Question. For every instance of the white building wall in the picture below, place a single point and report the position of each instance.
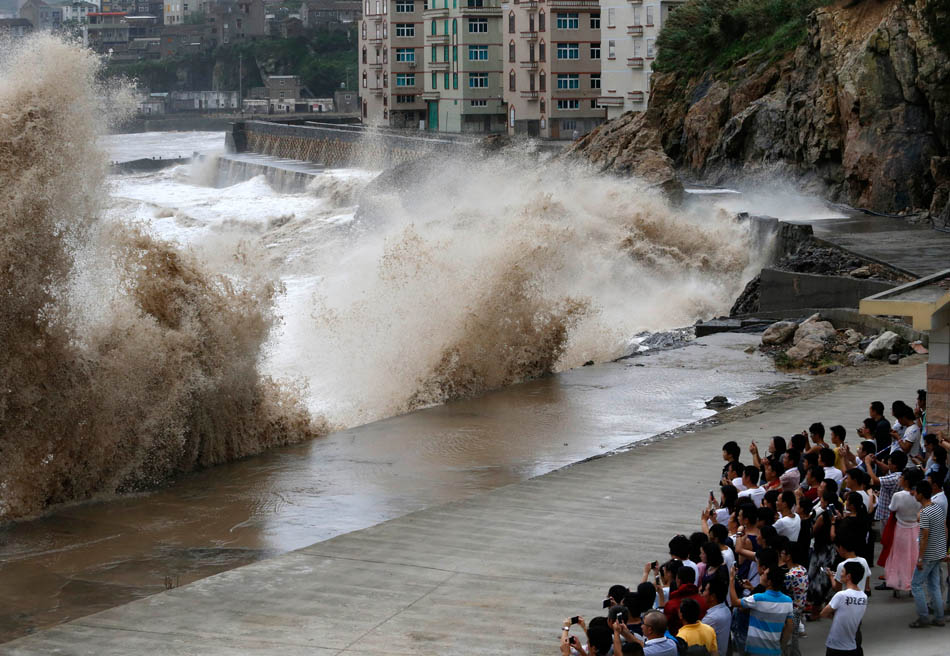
(629, 29)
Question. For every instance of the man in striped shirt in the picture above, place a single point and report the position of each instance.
(771, 617)
(933, 549)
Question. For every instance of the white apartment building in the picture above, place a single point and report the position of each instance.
(629, 29)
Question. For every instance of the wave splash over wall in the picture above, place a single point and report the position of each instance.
(464, 275)
(123, 360)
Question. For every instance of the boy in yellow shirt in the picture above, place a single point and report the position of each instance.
(692, 631)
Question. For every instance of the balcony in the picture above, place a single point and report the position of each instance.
(531, 35)
(480, 11)
(610, 101)
(377, 39)
(377, 91)
(530, 5)
(530, 95)
(438, 65)
(635, 2)
(430, 95)
(635, 30)
(574, 4)
(635, 62)
(636, 96)
(530, 65)
(375, 66)
(436, 12)
(438, 38)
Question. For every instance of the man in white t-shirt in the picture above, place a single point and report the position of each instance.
(826, 457)
(848, 607)
(789, 523)
(909, 439)
(750, 479)
(846, 551)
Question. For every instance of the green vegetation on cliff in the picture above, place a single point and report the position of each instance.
(323, 59)
(714, 34)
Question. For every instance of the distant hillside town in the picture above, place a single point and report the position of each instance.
(180, 50)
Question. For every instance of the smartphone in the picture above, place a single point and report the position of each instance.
(607, 603)
(573, 640)
(575, 619)
(654, 564)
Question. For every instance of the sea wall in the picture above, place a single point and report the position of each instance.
(786, 290)
(338, 145)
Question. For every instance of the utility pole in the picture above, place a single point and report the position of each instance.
(241, 81)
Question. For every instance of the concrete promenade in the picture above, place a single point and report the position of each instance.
(493, 574)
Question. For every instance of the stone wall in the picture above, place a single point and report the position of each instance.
(785, 290)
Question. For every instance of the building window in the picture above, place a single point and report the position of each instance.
(445, 80)
(511, 81)
(511, 51)
(478, 25)
(478, 80)
(435, 54)
(455, 53)
(479, 103)
(568, 104)
(636, 16)
(385, 80)
(636, 47)
(541, 21)
(568, 21)
(405, 6)
(445, 53)
(611, 49)
(478, 53)
(650, 16)
(455, 80)
(364, 79)
(595, 80)
(650, 49)
(568, 125)
(405, 99)
(405, 79)
(595, 51)
(455, 26)
(405, 29)
(542, 51)
(595, 21)
(433, 28)
(385, 55)
(542, 85)
(568, 51)
(568, 81)
(364, 54)
(364, 31)
(611, 17)
(435, 80)
(511, 23)
(405, 54)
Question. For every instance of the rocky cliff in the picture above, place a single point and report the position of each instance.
(860, 112)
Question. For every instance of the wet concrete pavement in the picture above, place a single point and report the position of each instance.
(491, 574)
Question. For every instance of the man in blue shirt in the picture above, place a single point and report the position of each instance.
(718, 615)
(771, 619)
(655, 641)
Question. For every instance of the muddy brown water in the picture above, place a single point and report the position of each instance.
(88, 557)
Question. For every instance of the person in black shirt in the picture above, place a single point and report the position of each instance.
(881, 433)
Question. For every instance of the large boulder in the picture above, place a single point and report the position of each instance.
(779, 332)
(883, 345)
(806, 349)
(815, 329)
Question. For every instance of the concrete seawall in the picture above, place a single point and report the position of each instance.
(493, 574)
(337, 145)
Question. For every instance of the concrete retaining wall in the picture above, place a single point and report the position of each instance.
(337, 145)
(784, 290)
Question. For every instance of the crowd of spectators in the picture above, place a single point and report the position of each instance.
(790, 538)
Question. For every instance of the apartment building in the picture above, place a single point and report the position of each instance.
(552, 67)
(628, 32)
(432, 64)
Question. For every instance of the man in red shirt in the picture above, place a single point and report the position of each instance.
(686, 579)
